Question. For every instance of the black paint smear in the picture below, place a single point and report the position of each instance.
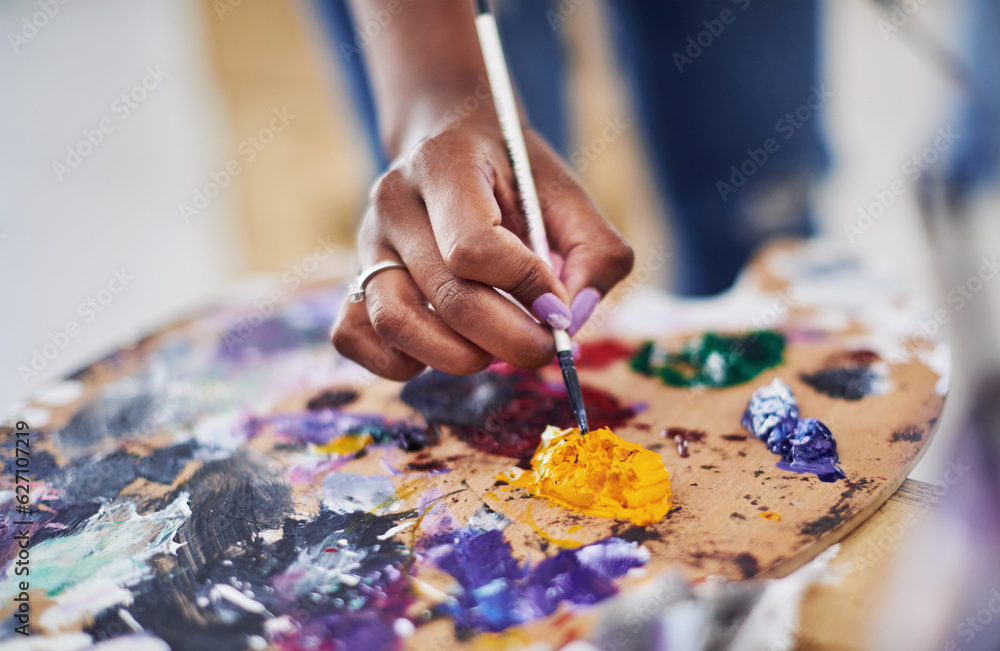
(91, 479)
(87, 480)
(909, 434)
(73, 516)
(231, 502)
(838, 512)
(847, 382)
(457, 400)
(735, 437)
(505, 414)
(636, 533)
(119, 412)
(43, 464)
(736, 516)
(162, 466)
(747, 564)
(333, 399)
(426, 466)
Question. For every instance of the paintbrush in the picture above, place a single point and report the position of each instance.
(510, 124)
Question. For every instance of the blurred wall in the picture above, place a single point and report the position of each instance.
(110, 120)
(308, 180)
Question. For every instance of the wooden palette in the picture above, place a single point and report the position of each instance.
(719, 491)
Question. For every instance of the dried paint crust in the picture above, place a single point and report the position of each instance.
(597, 474)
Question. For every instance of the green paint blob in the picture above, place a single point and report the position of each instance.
(712, 360)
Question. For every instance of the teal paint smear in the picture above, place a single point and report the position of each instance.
(114, 544)
(712, 360)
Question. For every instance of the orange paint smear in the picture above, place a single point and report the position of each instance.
(770, 515)
(597, 474)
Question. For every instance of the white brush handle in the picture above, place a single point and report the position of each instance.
(510, 124)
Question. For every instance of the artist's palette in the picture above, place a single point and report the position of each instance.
(201, 488)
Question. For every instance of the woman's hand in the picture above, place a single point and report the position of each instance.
(449, 210)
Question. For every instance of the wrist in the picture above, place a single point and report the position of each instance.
(435, 110)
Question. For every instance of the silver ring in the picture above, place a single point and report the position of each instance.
(357, 290)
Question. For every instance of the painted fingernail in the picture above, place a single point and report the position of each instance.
(574, 349)
(550, 309)
(582, 307)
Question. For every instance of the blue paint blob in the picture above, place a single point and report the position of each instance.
(772, 416)
(813, 450)
(498, 592)
(805, 446)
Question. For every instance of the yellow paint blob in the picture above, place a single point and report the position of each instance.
(770, 515)
(597, 474)
(349, 444)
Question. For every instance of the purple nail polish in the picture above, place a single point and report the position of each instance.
(550, 309)
(583, 306)
(574, 349)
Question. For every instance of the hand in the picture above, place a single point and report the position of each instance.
(450, 212)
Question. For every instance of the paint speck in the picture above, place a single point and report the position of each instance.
(770, 515)
(908, 434)
(747, 564)
(332, 399)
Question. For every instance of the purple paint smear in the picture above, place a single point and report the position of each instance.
(805, 445)
(324, 425)
(498, 592)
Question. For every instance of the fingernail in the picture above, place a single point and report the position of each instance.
(583, 306)
(550, 309)
(574, 349)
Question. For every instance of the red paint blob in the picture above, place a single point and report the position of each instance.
(515, 428)
(603, 352)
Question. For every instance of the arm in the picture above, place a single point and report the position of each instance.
(448, 209)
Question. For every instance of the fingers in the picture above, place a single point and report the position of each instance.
(473, 310)
(596, 257)
(355, 339)
(400, 315)
(460, 195)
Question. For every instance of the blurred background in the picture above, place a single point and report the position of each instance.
(159, 155)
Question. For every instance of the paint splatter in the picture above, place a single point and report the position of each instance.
(597, 474)
(507, 409)
(496, 592)
(770, 515)
(712, 360)
(805, 446)
(683, 437)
